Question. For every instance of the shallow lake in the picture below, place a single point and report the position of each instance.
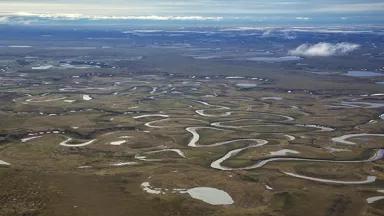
(210, 195)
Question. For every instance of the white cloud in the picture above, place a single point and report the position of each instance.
(302, 18)
(65, 16)
(4, 20)
(324, 49)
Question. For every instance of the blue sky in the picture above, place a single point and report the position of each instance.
(278, 10)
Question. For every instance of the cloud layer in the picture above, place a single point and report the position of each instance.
(65, 16)
(324, 49)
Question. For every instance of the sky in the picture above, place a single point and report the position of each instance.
(236, 11)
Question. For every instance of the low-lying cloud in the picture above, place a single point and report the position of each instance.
(65, 16)
(4, 20)
(324, 49)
